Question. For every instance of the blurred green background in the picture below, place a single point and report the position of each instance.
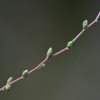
(28, 28)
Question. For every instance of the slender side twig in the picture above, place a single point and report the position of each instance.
(66, 48)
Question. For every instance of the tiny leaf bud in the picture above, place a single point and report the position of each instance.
(25, 73)
(10, 79)
(42, 66)
(7, 88)
(49, 52)
(70, 44)
(85, 24)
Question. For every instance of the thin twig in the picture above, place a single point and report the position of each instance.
(66, 48)
(96, 20)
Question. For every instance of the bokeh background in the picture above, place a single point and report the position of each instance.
(28, 28)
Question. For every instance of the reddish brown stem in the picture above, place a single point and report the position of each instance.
(66, 48)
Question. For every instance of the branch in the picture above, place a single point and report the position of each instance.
(10, 80)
